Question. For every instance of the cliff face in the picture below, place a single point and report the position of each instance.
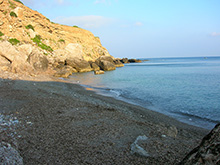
(26, 25)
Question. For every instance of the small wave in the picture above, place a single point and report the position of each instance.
(198, 117)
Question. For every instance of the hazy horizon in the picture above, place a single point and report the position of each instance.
(143, 29)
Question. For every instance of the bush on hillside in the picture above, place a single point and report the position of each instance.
(37, 40)
(29, 27)
(14, 41)
(13, 14)
(1, 34)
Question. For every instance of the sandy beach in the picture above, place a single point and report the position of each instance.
(52, 122)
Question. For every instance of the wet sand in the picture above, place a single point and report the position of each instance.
(62, 123)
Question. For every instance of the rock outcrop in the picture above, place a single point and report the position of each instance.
(208, 152)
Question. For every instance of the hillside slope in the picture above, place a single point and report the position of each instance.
(31, 43)
(30, 23)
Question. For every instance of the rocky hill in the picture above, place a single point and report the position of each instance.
(40, 44)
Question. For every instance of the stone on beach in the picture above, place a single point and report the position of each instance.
(138, 150)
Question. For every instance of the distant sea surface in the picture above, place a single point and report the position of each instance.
(187, 89)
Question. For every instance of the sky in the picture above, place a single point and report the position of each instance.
(142, 28)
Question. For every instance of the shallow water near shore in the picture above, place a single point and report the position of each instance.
(187, 89)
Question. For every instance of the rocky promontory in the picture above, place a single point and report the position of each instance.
(31, 44)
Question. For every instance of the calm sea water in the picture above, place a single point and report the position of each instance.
(187, 89)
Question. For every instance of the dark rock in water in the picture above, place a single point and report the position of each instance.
(79, 64)
(118, 63)
(99, 72)
(107, 66)
(208, 152)
(124, 60)
(134, 61)
(94, 66)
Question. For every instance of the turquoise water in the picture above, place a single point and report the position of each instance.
(187, 89)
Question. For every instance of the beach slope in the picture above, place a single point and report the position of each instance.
(51, 122)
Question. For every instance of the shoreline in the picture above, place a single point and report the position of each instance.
(62, 122)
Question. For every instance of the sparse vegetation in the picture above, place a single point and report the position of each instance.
(37, 40)
(76, 26)
(12, 5)
(61, 40)
(14, 41)
(18, 1)
(29, 27)
(1, 34)
(13, 14)
(5, 12)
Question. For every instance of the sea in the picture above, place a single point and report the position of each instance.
(187, 89)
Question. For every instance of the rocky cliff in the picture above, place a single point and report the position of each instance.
(38, 43)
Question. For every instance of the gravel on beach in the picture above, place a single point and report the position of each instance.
(52, 122)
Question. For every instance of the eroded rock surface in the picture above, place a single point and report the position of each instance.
(208, 152)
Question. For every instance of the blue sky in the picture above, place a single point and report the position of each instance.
(142, 28)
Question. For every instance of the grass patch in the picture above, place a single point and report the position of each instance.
(13, 14)
(37, 40)
(29, 27)
(1, 34)
(18, 1)
(61, 40)
(14, 41)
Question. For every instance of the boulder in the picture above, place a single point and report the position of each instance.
(118, 63)
(9, 51)
(38, 60)
(99, 72)
(70, 51)
(94, 66)
(104, 58)
(15, 57)
(65, 72)
(208, 152)
(107, 66)
(79, 64)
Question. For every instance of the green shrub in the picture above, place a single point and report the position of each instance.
(13, 14)
(5, 12)
(1, 39)
(75, 26)
(1, 34)
(18, 1)
(14, 41)
(37, 40)
(61, 40)
(29, 27)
